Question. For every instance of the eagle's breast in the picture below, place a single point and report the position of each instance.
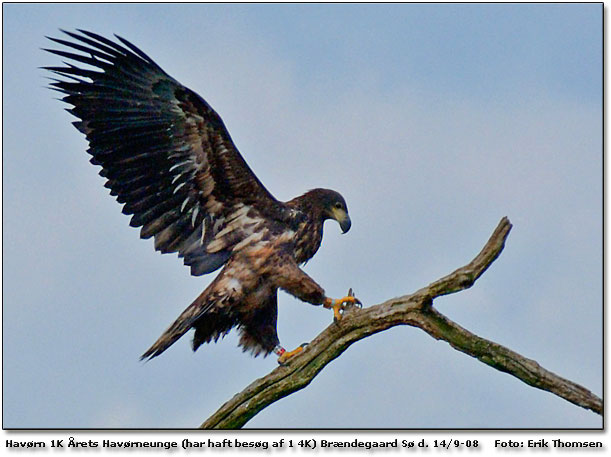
(307, 240)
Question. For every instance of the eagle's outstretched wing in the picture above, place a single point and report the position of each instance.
(165, 153)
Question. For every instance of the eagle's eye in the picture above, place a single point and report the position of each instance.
(338, 205)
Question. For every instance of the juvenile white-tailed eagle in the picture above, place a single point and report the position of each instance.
(171, 163)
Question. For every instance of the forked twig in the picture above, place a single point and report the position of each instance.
(415, 310)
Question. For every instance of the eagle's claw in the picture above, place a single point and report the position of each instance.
(340, 304)
(286, 356)
(356, 302)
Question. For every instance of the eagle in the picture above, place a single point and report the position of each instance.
(168, 158)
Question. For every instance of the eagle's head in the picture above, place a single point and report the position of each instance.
(331, 205)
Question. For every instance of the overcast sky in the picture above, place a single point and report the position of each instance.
(433, 121)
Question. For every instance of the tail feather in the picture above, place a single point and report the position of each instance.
(180, 326)
(212, 314)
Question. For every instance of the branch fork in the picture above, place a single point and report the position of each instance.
(416, 310)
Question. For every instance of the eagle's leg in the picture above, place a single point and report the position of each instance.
(337, 304)
(288, 276)
(284, 355)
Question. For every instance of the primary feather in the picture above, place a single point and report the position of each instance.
(166, 154)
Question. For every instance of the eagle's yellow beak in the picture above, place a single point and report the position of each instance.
(342, 218)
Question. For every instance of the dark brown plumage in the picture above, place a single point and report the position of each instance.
(170, 161)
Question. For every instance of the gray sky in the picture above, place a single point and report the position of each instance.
(433, 121)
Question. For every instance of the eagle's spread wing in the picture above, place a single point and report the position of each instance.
(165, 153)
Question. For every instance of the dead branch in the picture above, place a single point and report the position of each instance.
(415, 310)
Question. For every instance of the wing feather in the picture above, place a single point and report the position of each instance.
(165, 153)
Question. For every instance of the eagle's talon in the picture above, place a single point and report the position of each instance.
(337, 312)
(337, 316)
(340, 304)
(286, 356)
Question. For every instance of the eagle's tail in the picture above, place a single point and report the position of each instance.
(180, 326)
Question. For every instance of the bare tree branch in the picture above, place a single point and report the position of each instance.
(415, 310)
